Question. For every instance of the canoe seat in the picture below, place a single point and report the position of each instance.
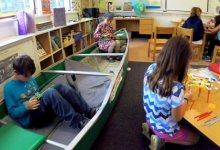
(103, 51)
(14, 137)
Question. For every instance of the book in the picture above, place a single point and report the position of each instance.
(127, 6)
(40, 50)
(59, 17)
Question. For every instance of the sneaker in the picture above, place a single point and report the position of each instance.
(91, 113)
(111, 59)
(145, 130)
(83, 121)
(207, 58)
(156, 143)
(118, 58)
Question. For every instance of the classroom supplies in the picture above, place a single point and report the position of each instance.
(212, 121)
(38, 95)
(203, 115)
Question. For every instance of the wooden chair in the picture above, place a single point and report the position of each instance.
(159, 43)
(216, 54)
(188, 33)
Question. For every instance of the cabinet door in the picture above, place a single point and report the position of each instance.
(146, 26)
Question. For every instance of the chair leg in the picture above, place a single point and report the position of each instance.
(154, 51)
(148, 48)
(214, 54)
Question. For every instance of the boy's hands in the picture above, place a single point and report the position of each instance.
(32, 104)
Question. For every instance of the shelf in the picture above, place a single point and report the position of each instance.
(58, 56)
(46, 63)
(57, 51)
(44, 57)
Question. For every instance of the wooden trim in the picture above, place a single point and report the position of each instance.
(7, 16)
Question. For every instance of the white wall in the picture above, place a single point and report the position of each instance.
(8, 28)
(164, 18)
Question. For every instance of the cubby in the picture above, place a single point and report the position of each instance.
(83, 28)
(78, 45)
(68, 51)
(43, 45)
(88, 27)
(88, 40)
(84, 42)
(46, 63)
(92, 38)
(55, 40)
(58, 56)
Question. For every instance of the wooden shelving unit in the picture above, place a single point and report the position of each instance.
(52, 42)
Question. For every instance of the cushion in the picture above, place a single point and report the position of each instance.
(14, 137)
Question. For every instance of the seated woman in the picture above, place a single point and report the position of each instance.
(194, 22)
(104, 34)
(213, 27)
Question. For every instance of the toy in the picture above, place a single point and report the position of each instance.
(38, 95)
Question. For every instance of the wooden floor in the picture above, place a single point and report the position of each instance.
(138, 52)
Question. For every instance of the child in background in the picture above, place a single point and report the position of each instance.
(213, 27)
(194, 22)
(24, 108)
(104, 34)
(165, 100)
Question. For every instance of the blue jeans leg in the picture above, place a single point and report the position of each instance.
(53, 99)
(74, 98)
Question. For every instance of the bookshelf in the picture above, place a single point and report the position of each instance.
(59, 43)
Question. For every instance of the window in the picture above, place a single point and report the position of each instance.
(56, 3)
(11, 6)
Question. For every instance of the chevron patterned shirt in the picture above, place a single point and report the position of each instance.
(158, 109)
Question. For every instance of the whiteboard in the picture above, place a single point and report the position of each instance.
(186, 5)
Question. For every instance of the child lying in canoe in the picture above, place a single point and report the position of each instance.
(59, 100)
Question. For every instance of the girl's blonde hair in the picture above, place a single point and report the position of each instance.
(196, 11)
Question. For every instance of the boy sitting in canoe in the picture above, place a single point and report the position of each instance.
(23, 106)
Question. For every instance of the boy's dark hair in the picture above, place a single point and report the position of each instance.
(217, 20)
(24, 65)
(172, 65)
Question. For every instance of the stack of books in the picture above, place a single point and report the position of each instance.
(44, 25)
(40, 50)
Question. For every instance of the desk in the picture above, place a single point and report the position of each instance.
(141, 25)
(200, 106)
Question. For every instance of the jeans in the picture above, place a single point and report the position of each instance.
(62, 101)
(212, 45)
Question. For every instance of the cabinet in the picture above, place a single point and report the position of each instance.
(141, 25)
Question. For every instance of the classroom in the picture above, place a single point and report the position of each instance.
(109, 74)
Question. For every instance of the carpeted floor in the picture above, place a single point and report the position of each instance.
(123, 129)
